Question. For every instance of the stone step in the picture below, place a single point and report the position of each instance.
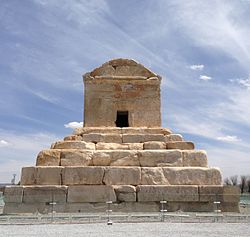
(123, 138)
(143, 158)
(147, 145)
(92, 175)
(117, 146)
(125, 130)
(73, 145)
(119, 207)
(60, 194)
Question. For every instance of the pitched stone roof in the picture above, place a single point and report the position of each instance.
(122, 68)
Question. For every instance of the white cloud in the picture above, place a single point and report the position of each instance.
(244, 82)
(73, 125)
(217, 26)
(229, 138)
(197, 67)
(205, 78)
(4, 143)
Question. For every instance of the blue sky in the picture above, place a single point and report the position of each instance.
(200, 48)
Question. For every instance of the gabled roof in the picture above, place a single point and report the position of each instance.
(122, 68)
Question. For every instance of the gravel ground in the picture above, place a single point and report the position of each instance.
(128, 229)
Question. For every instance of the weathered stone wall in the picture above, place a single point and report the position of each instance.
(122, 85)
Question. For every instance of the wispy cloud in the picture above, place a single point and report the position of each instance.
(229, 138)
(197, 67)
(218, 26)
(4, 143)
(205, 78)
(244, 82)
(73, 125)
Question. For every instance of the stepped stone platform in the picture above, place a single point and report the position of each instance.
(87, 169)
(122, 156)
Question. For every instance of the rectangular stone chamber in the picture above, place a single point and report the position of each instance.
(127, 90)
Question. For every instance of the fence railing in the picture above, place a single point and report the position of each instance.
(110, 217)
(124, 217)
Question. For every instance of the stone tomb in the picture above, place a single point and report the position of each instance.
(122, 154)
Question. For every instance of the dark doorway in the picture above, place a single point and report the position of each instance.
(122, 119)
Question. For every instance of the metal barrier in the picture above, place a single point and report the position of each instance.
(111, 217)
(125, 217)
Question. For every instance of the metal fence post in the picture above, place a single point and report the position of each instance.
(109, 222)
(163, 210)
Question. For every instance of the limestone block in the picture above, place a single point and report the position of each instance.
(98, 137)
(230, 207)
(13, 194)
(82, 175)
(190, 206)
(125, 193)
(73, 157)
(154, 137)
(194, 158)
(125, 158)
(124, 188)
(156, 193)
(121, 207)
(180, 145)
(100, 71)
(111, 146)
(91, 193)
(48, 175)
(153, 145)
(15, 208)
(122, 175)
(192, 175)
(173, 138)
(135, 146)
(138, 138)
(49, 157)
(126, 197)
(152, 158)
(122, 61)
(118, 146)
(132, 138)
(102, 130)
(92, 137)
(153, 176)
(102, 158)
(126, 70)
(114, 138)
(48, 193)
(231, 194)
(73, 138)
(74, 145)
(145, 130)
(28, 175)
(211, 193)
(115, 158)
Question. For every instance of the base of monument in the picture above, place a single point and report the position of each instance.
(15, 208)
(123, 198)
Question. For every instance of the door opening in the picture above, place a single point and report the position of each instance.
(122, 119)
